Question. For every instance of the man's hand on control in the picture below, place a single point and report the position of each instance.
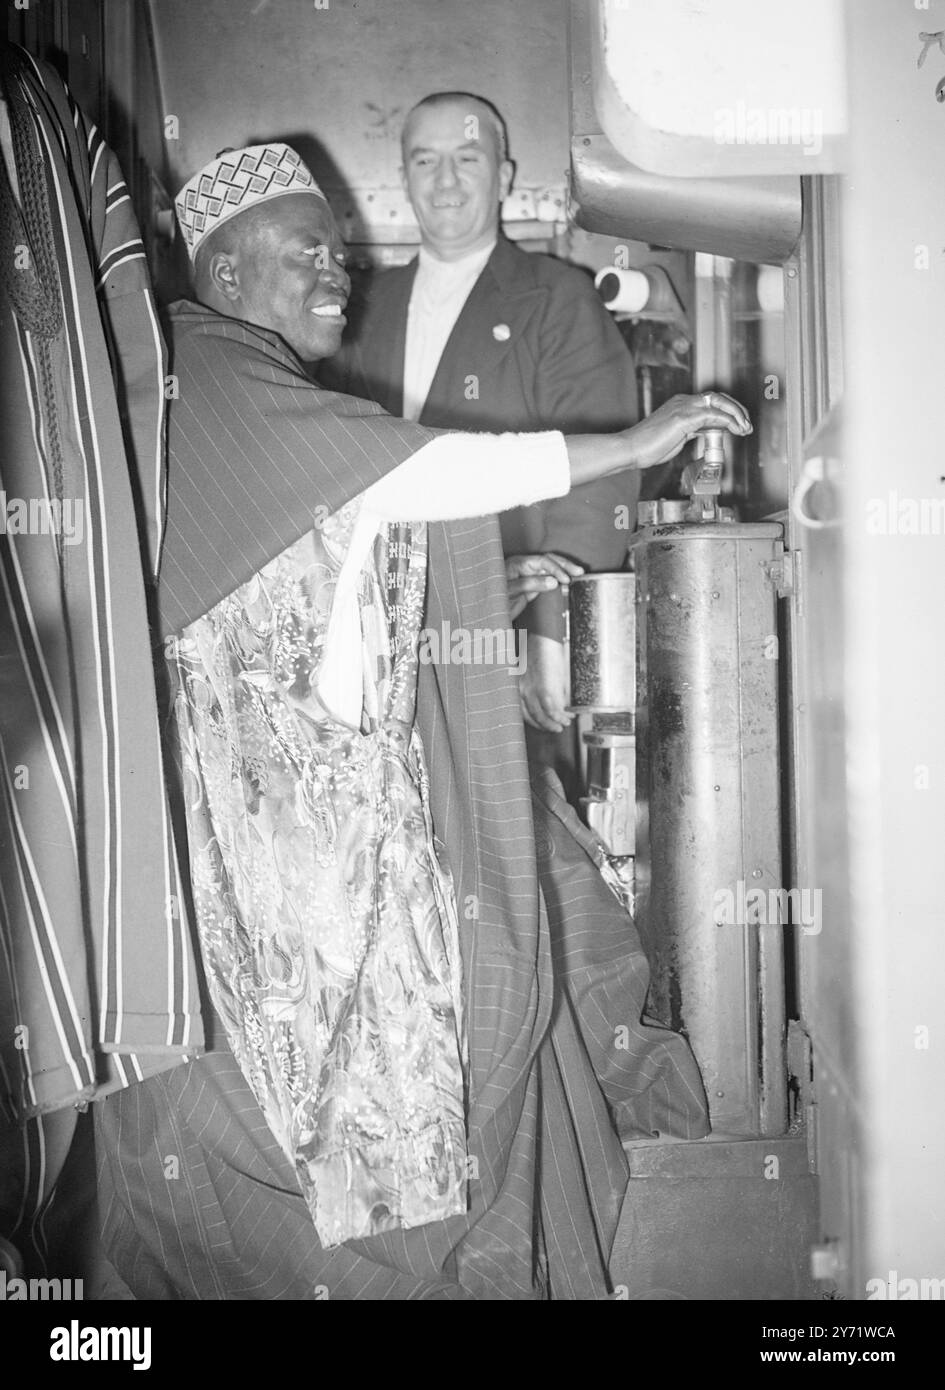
(659, 437)
(655, 440)
(544, 684)
(531, 575)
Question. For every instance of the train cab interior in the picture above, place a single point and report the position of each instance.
(752, 190)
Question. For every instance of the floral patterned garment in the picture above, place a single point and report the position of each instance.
(327, 924)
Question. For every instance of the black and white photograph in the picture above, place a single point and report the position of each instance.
(472, 743)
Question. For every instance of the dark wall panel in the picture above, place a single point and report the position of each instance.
(339, 80)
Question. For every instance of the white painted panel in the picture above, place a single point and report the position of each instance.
(724, 87)
(894, 215)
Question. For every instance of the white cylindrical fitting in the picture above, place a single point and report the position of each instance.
(623, 291)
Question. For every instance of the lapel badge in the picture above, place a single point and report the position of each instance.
(501, 332)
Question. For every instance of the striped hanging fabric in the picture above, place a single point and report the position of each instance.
(98, 982)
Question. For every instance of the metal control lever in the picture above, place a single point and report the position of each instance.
(708, 479)
(704, 483)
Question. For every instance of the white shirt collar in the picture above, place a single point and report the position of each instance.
(469, 265)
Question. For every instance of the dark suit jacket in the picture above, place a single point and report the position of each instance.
(533, 349)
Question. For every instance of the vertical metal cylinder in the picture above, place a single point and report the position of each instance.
(603, 657)
(708, 822)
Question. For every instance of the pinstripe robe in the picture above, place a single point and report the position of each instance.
(255, 448)
(98, 983)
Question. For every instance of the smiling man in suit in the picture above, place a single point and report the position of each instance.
(476, 334)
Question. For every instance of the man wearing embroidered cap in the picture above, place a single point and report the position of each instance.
(276, 200)
(234, 182)
(386, 1073)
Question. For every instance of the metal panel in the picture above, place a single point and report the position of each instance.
(86, 41)
(815, 653)
(716, 1220)
(337, 81)
(751, 219)
(722, 89)
(39, 28)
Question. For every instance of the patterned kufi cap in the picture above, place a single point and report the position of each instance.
(237, 180)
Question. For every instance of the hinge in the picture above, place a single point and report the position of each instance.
(786, 574)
